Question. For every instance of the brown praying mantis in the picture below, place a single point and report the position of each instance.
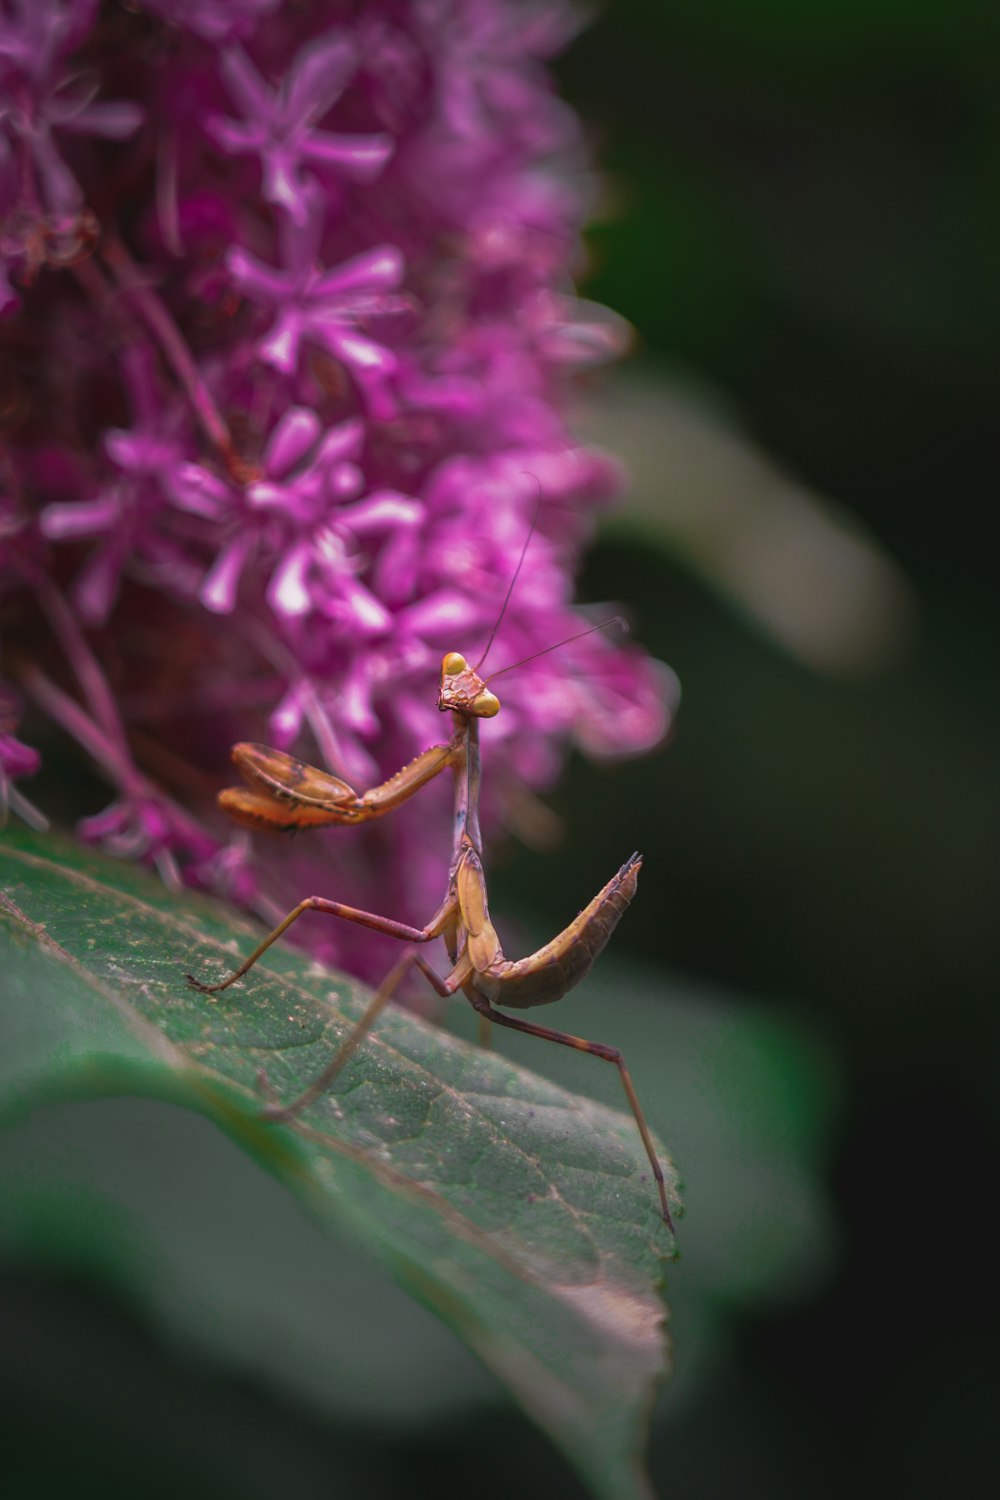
(283, 794)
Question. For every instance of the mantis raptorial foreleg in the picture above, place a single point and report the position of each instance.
(284, 794)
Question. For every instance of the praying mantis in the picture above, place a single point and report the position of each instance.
(283, 794)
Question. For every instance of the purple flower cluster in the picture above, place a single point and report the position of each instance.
(286, 343)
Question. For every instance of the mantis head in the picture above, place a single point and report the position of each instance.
(463, 691)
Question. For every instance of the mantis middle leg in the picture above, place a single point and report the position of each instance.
(391, 928)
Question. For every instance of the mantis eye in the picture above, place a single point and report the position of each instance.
(453, 664)
(485, 705)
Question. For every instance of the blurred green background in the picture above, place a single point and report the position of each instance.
(801, 218)
(804, 217)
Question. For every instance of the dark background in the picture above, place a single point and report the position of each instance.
(807, 214)
(803, 212)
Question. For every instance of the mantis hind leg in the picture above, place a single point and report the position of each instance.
(410, 959)
(597, 1049)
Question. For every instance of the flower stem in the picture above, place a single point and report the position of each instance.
(175, 350)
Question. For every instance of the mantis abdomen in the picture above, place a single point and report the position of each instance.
(554, 970)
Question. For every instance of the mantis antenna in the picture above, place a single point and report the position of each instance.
(517, 574)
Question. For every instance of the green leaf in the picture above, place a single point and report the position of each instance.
(522, 1215)
(748, 1091)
